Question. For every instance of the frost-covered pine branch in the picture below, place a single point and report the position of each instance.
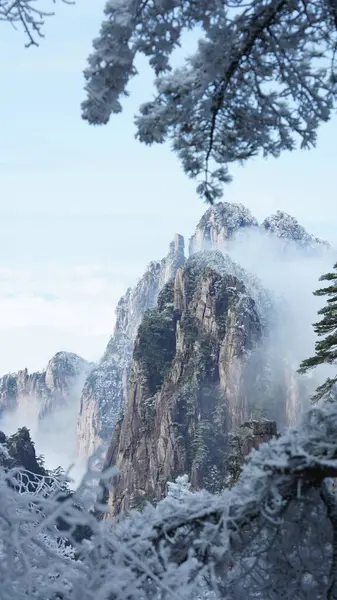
(272, 535)
(261, 81)
(28, 15)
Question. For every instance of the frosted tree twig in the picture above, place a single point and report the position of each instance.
(267, 537)
(29, 15)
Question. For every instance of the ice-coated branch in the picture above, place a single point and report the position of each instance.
(28, 15)
(261, 81)
(269, 536)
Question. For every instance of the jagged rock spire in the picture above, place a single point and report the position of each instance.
(105, 390)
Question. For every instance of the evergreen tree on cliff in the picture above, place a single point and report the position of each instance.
(261, 81)
(326, 348)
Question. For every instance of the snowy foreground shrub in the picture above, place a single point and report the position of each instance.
(272, 536)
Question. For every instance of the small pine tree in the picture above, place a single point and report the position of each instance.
(325, 349)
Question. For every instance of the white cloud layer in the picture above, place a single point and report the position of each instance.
(44, 310)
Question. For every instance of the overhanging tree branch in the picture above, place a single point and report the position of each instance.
(262, 79)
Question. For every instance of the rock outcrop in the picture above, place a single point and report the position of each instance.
(194, 378)
(56, 387)
(18, 451)
(105, 390)
(242, 441)
(219, 225)
(288, 228)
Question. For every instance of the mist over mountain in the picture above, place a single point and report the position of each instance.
(47, 403)
(229, 323)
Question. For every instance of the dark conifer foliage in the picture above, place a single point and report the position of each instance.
(326, 329)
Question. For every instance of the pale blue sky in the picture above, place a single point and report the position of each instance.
(74, 196)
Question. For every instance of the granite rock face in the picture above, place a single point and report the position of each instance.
(192, 382)
(105, 390)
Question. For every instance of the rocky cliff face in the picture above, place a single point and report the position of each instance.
(224, 227)
(55, 387)
(195, 376)
(106, 388)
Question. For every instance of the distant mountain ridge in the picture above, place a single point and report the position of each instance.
(288, 228)
(54, 388)
(220, 223)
